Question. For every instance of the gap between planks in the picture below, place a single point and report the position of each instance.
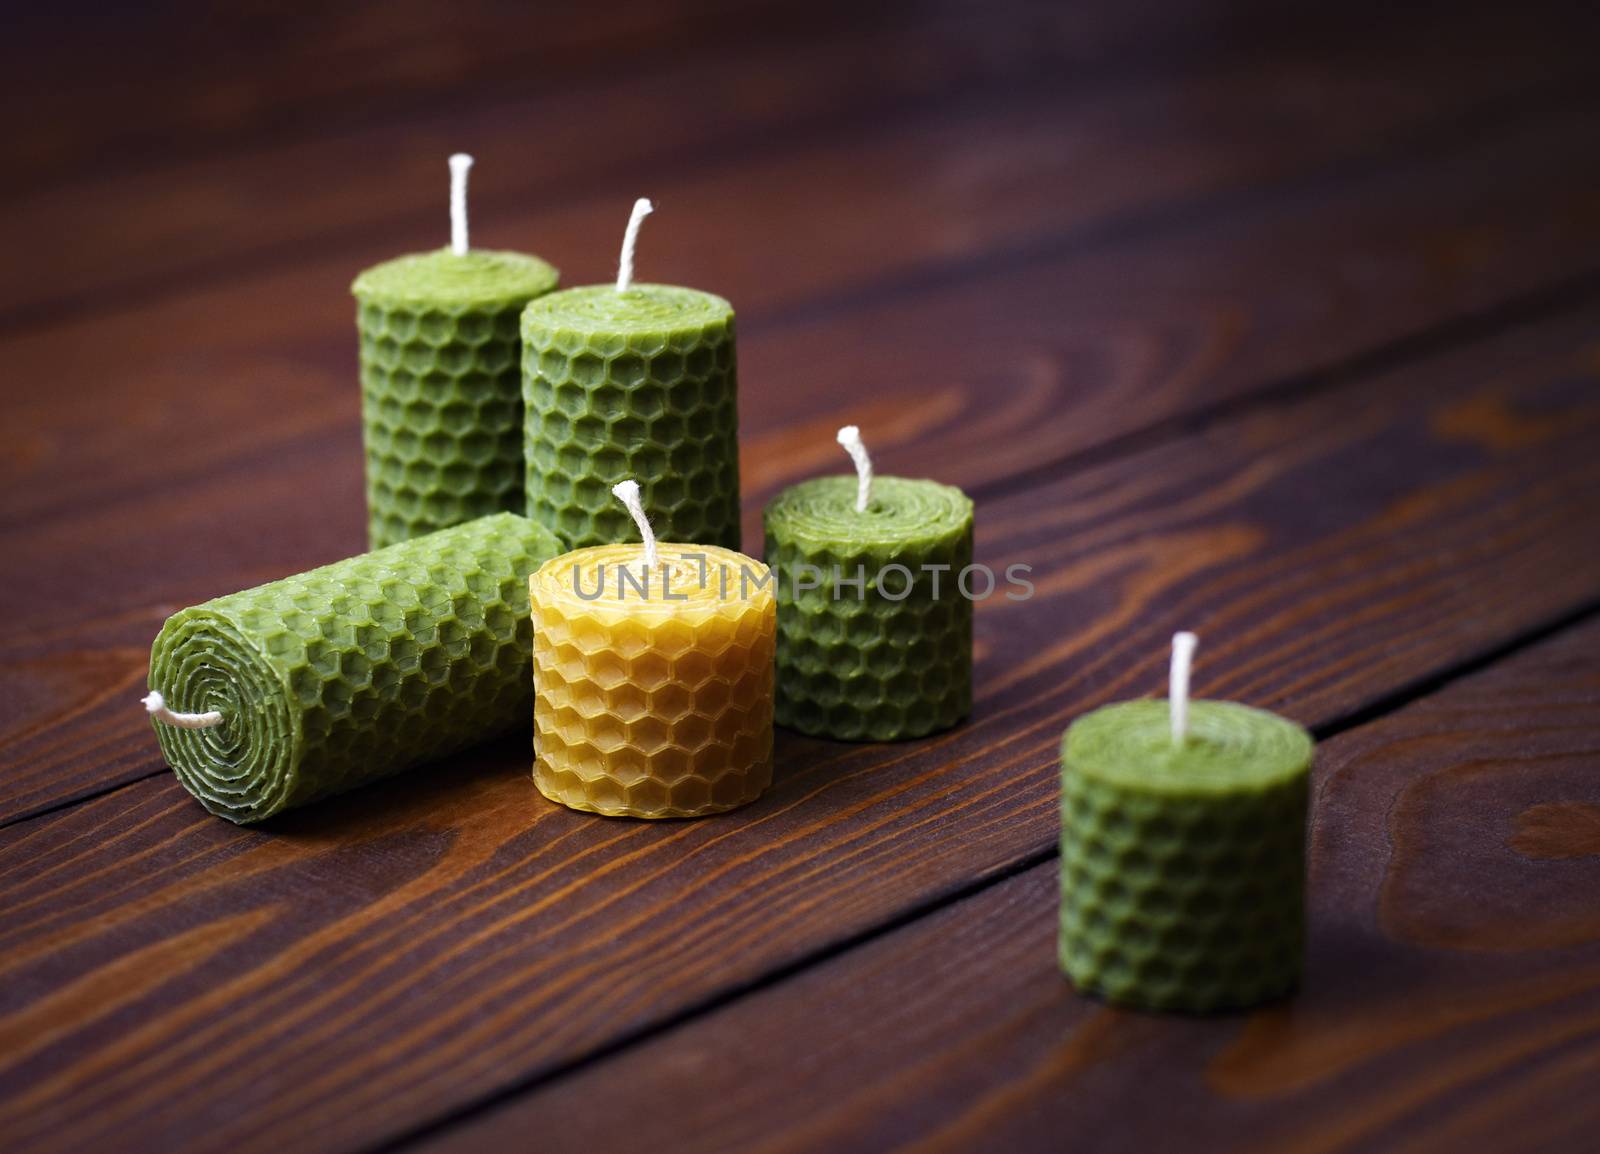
(1374, 711)
(1441, 380)
(757, 142)
(1185, 215)
(1427, 342)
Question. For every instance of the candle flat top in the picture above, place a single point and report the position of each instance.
(643, 309)
(476, 279)
(689, 581)
(902, 511)
(1229, 747)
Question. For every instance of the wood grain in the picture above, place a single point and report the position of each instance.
(147, 87)
(97, 241)
(1278, 323)
(362, 968)
(1066, 345)
(278, 201)
(176, 79)
(227, 378)
(958, 1032)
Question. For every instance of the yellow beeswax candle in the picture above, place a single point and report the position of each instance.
(653, 678)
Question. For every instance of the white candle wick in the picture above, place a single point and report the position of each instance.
(630, 241)
(850, 438)
(628, 493)
(459, 164)
(1183, 645)
(156, 706)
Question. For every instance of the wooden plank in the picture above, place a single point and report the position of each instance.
(103, 240)
(141, 88)
(1059, 348)
(376, 962)
(164, 81)
(1452, 996)
(214, 217)
(285, 336)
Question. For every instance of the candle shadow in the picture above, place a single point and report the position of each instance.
(488, 790)
(446, 789)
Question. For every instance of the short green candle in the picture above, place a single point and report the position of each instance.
(632, 380)
(1183, 863)
(874, 630)
(324, 681)
(441, 397)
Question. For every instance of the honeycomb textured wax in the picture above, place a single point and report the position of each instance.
(1183, 867)
(441, 397)
(336, 677)
(641, 383)
(650, 706)
(887, 659)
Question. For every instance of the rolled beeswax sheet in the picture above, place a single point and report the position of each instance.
(888, 658)
(1183, 866)
(441, 392)
(641, 383)
(649, 706)
(336, 677)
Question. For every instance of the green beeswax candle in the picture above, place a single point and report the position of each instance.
(324, 681)
(1183, 851)
(874, 631)
(441, 399)
(632, 380)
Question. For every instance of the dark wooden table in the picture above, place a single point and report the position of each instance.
(1286, 330)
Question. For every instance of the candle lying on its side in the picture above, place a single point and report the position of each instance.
(652, 670)
(632, 380)
(1183, 831)
(441, 393)
(315, 684)
(874, 627)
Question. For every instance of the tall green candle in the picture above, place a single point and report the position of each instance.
(874, 628)
(441, 399)
(632, 380)
(315, 684)
(1183, 831)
